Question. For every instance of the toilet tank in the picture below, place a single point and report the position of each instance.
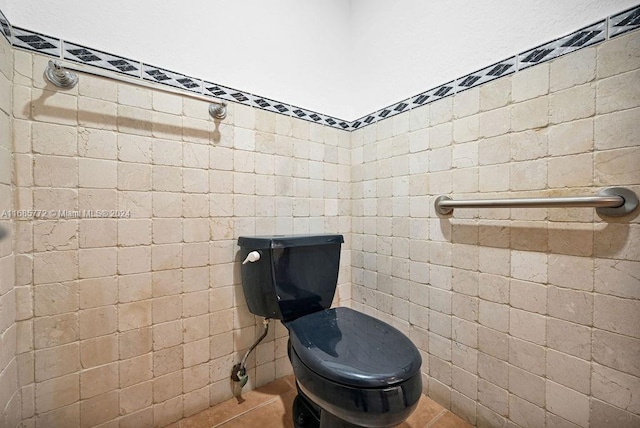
(295, 275)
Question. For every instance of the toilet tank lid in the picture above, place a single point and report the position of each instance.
(285, 241)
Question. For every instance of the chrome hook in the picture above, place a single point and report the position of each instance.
(218, 110)
(60, 77)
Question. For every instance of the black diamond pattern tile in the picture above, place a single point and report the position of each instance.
(587, 36)
(421, 99)
(5, 27)
(240, 96)
(487, 74)
(537, 55)
(432, 95)
(123, 65)
(89, 56)
(271, 105)
(624, 22)
(171, 78)
(40, 43)
(315, 117)
(328, 120)
(363, 121)
(469, 81)
(393, 110)
(308, 115)
(620, 23)
(334, 122)
(299, 113)
(580, 39)
(443, 91)
(84, 55)
(225, 93)
(501, 69)
(383, 114)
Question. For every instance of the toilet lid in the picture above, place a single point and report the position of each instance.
(354, 349)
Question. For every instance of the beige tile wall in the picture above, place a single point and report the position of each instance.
(138, 321)
(524, 317)
(10, 405)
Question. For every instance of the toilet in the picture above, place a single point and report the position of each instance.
(351, 370)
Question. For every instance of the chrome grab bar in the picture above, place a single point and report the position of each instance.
(612, 201)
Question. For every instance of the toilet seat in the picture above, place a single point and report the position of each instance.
(358, 368)
(354, 349)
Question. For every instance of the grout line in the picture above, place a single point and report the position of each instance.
(436, 419)
(247, 411)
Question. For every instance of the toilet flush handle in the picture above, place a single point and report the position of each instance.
(252, 257)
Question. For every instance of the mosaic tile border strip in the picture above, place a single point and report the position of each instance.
(5, 27)
(84, 55)
(393, 110)
(590, 35)
(308, 115)
(613, 26)
(582, 38)
(171, 78)
(487, 74)
(225, 93)
(50, 46)
(271, 105)
(363, 121)
(432, 95)
(36, 42)
(624, 21)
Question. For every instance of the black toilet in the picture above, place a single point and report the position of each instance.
(351, 369)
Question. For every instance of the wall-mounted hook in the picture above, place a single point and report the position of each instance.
(60, 77)
(218, 110)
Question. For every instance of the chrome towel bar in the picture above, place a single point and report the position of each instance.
(612, 201)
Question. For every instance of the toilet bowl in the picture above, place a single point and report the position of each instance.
(351, 370)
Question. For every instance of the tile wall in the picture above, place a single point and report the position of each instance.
(525, 317)
(9, 391)
(136, 318)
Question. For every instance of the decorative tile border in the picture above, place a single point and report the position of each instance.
(614, 26)
(171, 78)
(271, 105)
(582, 38)
(308, 115)
(345, 125)
(487, 74)
(224, 93)
(5, 27)
(624, 21)
(392, 110)
(36, 42)
(432, 95)
(363, 121)
(96, 58)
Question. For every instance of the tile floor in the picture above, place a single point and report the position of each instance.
(270, 407)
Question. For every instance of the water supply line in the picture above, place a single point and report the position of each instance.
(239, 371)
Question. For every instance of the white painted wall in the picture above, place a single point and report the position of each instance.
(346, 58)
(290, 50)
(406, 47)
